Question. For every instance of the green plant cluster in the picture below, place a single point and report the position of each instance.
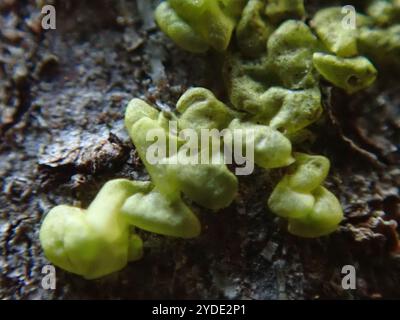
(96, 241)
(274, 66)
(312, 211)
(199, 25)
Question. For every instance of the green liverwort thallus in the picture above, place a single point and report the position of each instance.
(274, 66)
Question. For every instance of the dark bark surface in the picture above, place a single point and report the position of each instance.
(62, 97)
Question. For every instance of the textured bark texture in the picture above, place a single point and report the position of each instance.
(62, 97)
